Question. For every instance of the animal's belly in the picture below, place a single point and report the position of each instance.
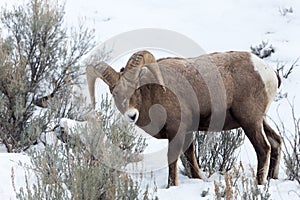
(228, 123)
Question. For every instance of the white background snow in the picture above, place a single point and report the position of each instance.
(215, 25)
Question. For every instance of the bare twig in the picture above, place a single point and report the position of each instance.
(285, 73)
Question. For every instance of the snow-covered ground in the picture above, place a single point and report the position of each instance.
(215, 25)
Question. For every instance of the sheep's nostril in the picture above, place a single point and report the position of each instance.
(132, 117)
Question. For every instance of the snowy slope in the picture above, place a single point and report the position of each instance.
(215, 25)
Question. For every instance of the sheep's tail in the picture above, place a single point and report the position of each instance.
(279, 79)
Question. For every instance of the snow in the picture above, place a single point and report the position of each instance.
(10, 167)
(215, 25)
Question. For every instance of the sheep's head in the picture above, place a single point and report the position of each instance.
(124, 85)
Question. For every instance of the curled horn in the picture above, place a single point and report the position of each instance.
(144, 58)
(103, 71)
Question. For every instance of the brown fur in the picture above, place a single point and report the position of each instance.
(244, 105)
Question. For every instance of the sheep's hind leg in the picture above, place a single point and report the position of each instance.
(262, 147)
(275, 142)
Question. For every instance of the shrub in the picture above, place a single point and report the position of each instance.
(263, 50)
(284, 11)
(291, 145)
(236, 185)
(39, 65)
(291, 137)
(91, 164)
(215, 152)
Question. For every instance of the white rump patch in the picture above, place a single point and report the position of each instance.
(267, 75)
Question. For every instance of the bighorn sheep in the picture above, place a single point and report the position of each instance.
(174, 98)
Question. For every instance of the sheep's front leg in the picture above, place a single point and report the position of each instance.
(173, 174)
(174, 150)
(189, 152)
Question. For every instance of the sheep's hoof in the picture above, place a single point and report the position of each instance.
(172, 182)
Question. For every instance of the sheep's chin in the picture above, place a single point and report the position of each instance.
(132, 115)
